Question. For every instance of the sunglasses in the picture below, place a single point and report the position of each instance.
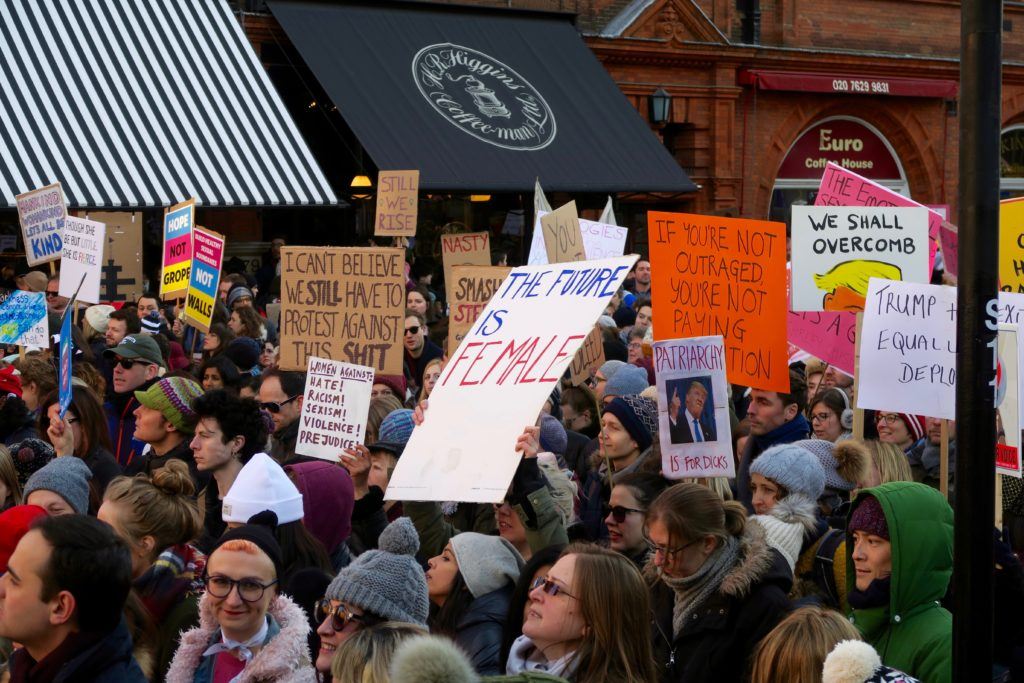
(275, 407)
(129, 363)
(550, 587)
(619, 512)
(415, 329)
(341, 616)
(52, 295)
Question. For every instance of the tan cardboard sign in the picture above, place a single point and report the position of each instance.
(464, 249)
(470, 289)
(589, 358)
(398, 195)
(563, 239)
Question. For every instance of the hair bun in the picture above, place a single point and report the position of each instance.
(399, 538)
(174, 479)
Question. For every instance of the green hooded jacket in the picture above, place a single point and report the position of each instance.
(914, 633)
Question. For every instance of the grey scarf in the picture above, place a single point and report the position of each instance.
(692, 591)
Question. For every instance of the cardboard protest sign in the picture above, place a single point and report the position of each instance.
(1008, 400)
(723, 276)
(1011, 245)
(496, 382)
(342, 303)
(908, 349)
(468, 293)
(42, 213)
(949, 240)
(121, 278)
(837, 249)
(588, 359)
(841, 187)
(693, 408)
(600, 240)
(334, 408)
(398, 196)
(178, 223)
(204, 277)
(464, 249)
(23, 320)
(563, 241)
(82, 255)
(827, 335)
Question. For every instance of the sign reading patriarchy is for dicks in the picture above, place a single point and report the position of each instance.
(497, 380)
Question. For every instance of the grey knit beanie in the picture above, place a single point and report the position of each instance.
(610, 367)
(845, 463)
(629, 380)
(486, 562)
(792, 467)
(68, 477)
(387, 582)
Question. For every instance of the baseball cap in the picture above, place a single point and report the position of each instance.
(139, 346)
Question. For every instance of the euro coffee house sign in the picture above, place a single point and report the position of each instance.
(845, 142)
(483, 97)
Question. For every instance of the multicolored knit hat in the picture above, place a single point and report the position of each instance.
(394, 432)
(639, 417)
(173, 397)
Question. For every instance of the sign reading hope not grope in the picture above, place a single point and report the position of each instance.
(177, 255)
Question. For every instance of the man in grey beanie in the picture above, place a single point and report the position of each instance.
(61, 487)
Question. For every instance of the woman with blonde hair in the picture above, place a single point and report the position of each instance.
(718, 588)
(366, 656)
(888, 463)
(796, 649)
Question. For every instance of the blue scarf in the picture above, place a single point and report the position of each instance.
(795, 430)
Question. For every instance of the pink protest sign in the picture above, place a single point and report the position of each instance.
(949, 239)
(827, 335)
(840, 187)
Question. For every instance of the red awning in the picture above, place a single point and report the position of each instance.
(846, 84)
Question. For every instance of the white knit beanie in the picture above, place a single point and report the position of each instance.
(486, 562)
(261, 485)
(787, 523)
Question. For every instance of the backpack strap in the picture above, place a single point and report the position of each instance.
(824, 563)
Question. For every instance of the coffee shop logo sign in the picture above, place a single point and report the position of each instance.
(483, 97)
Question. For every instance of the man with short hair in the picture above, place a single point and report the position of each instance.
(62, 600)
(137, 364)
(147, 303)
(418, 349)
(281, 395)
(774, 419)
(166, 421)
(641, 281)
(55, 303)
(121, 323)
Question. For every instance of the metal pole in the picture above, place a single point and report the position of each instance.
(980, 88)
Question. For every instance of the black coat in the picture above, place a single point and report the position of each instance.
(108, 661)
(479, 631)
(717, 642)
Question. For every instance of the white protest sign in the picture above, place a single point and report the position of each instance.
(837, 249)
(42, 213)
(908, 349)
(82, 255)
(496, 382)
(1008, 404)
(334, 408)
(693, 408)
(600, 240)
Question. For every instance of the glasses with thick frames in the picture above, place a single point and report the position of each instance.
(550, 587)
(250, 590)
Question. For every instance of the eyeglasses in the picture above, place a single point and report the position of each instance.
(275, 407)
(250, 590)
(619, 512)
(550, 587)
(415, 329)
(52, 295)
(340, 616)
(821, 417)
(887, 418)
(666, 552)
(129, 363)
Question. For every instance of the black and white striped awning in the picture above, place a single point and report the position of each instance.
(136, 103)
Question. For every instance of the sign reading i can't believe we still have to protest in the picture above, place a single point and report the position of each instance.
(204, 278)
(723, 276)
(498, 379)
(42, 214)
(335, 407)
(177, 260)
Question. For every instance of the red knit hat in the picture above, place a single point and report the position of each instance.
(916, 424)
(10, 381)
(15, 523)
(396, 383)
(869, 517)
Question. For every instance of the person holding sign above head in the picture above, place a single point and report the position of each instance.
(137, 365)
(686, 416)
(418, 349)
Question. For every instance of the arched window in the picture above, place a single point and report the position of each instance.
(1011, 166)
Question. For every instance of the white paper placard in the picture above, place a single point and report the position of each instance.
(334, 408)
(1008, 403)
(600, 240)
(82, 255)
(497, 380)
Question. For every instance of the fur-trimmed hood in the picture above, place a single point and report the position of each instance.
(284, 659)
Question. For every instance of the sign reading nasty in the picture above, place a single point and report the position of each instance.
(727, 277)
(398, 196)
(42, 214)
(470, 290)
(335, 408)
(514, 355)
(464, 249)
(342, 303)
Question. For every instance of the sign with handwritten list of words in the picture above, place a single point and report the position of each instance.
(465, 448)
(335, 407)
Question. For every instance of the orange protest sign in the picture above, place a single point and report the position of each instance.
(726, 276)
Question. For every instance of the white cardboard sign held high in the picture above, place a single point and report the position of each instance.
(82, 255)
(600, 240)
(497, 380)
(334, 408)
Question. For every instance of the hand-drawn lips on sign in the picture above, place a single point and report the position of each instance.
(483, 97)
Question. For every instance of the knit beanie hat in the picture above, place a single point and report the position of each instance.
(328, 497)
(394, 432)
(10, 381)
(244, 352)
(792, 467)
(387, 582)
(606, 321)
(486, 562)
(845, 463)
(98, 317)
(151, 323)
(396, 383)
(68, 478)
(173, 397)
(639, 417)
(15, 523)
(262, 485)
(258, 530)
(610, 367)
(552, 435)
(916, 424)
(791, 520)
(624, 316)
(630, 379)
(868, 516)
(854, 661)
(236, 293)
(29, 456)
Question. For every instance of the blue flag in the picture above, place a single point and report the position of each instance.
(66, 349)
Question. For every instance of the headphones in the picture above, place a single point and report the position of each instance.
(846, 419)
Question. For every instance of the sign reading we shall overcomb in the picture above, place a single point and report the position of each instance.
(497, 380)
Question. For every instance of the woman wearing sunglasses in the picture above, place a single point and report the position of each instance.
(247, 631)
(720, 588)
(632, 494)
(386, 584)
(587, 621)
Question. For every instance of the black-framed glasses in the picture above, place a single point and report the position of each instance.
(619, 512)
(667, 553)
(275, 407)
(550, 587)
(52, 295)
(341, 616)
(250, 590)
(415, 329)
(887, 418)
(820, 417)
(129, 363)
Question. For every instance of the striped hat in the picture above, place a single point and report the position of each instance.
(173, 397)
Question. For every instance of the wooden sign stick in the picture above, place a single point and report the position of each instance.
(944, 458)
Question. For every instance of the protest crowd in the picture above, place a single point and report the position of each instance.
(160, 524)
